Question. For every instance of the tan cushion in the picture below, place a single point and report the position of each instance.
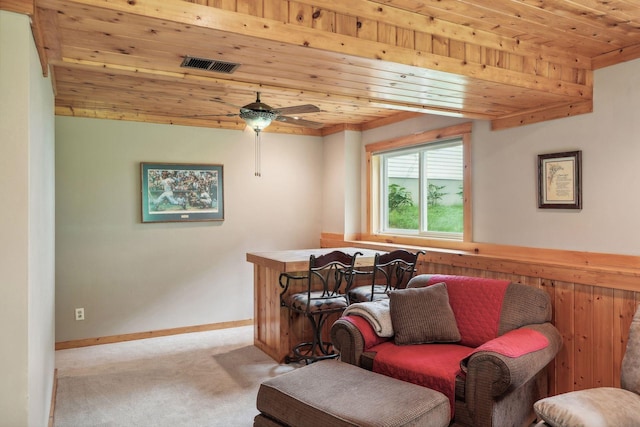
(597, 407)
(422, 315)
(337, 394)
(630, 375)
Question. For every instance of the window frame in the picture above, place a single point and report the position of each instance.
(462, 131)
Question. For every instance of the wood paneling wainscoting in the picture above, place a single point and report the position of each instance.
(594, 298)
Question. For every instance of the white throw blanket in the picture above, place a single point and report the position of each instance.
(376, 313)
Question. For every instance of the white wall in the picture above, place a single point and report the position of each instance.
(132, 277)
(353, 182)
(505, 174)
(341, 175)
(334, 169)
(14, 262)
(26, 229)
(504, 171)
(41, 297)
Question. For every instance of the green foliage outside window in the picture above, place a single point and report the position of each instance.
(405, 215)
(435, 194)
(440, 218)
(399, 197)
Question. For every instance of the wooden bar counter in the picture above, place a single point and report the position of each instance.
(276, 329)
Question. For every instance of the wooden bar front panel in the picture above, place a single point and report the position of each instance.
(276, 329)
(271, 329)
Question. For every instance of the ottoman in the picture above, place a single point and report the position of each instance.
(334, 393)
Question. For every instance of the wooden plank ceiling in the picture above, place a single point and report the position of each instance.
(362, 62)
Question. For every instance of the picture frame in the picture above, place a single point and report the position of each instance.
(560, 180)
(182, 192)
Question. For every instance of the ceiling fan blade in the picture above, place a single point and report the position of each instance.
(299, 109)
(197, 116)
(299, 122)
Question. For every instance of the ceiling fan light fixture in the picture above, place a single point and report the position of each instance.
(258, 119)
(258, 116)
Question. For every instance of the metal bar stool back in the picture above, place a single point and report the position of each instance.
(390, 271)
(324, 288)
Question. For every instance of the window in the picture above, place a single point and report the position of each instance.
(419, 186)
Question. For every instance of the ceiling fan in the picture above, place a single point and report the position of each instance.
(259, 115)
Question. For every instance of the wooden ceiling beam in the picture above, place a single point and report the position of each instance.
(176, 77)
(425, 23)
(540, 14)
(134, 116)
(541, 115)
(529, 20)
(343, 101)
(614, 57)
(304, 37)
(26, 7)
(513, 62)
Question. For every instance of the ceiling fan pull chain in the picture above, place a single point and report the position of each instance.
(257, 154)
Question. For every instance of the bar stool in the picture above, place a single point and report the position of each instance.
(391, 271)
(326, 284)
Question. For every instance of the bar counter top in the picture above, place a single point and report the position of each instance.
(298, 259)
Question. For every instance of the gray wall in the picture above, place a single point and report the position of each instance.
(26, 229)
(133, 277)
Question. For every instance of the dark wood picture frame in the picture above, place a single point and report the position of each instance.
(560, 180)
(181, 192)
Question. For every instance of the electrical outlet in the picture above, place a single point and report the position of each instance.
(79, 313)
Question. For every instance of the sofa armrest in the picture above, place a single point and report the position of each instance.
(348, 340)
(490, 374)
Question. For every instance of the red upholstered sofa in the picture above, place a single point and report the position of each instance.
(492, 369)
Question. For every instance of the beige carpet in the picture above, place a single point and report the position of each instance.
(199, 379)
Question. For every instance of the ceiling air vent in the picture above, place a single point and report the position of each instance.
(209, 65)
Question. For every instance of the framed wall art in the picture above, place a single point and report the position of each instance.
(179, 192)
(560, 180)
